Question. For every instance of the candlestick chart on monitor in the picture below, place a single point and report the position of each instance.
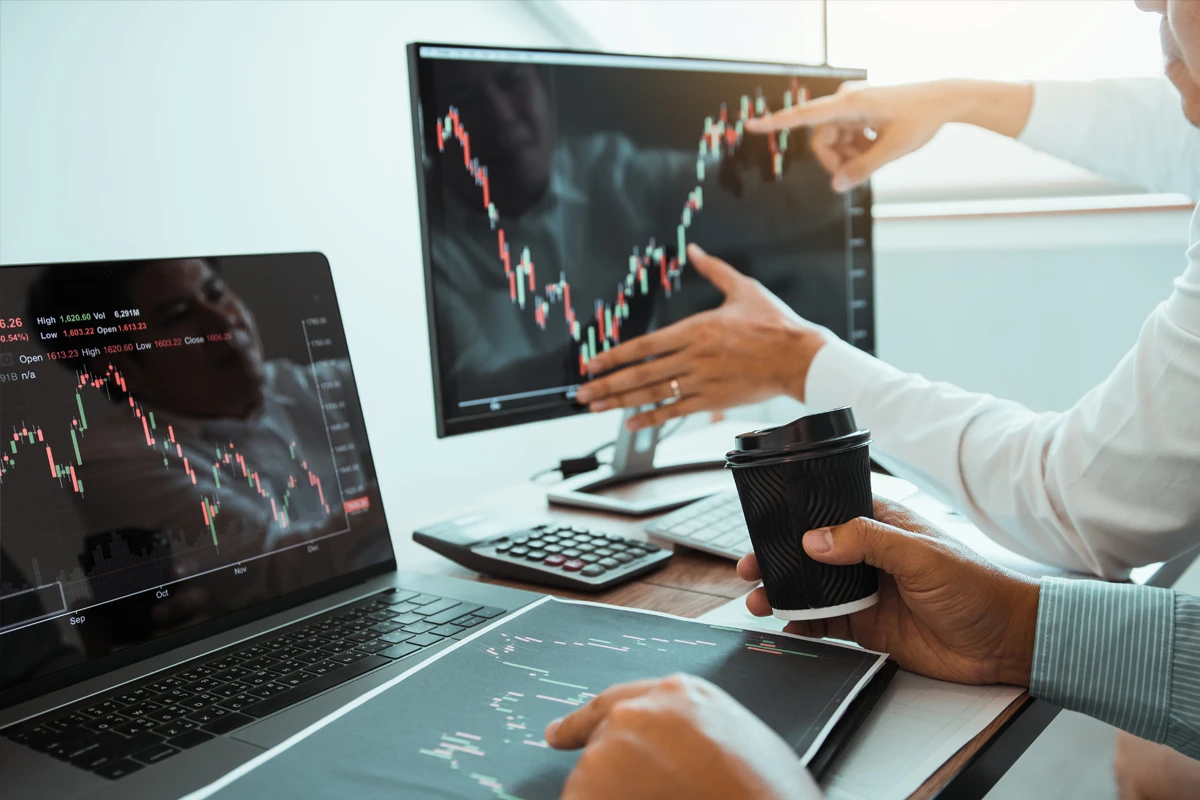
(559, 193)
(652, 266)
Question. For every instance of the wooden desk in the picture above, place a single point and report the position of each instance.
(692, 584)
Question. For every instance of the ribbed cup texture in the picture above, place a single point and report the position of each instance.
(782, 502)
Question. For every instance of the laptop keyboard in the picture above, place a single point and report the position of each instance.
(715, 525)
(145, 722)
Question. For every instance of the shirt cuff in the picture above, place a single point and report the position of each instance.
(840, 374)
(1105, 650)
(1060, 117)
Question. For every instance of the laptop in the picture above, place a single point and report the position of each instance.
(195, 563)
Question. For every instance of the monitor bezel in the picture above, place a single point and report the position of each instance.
(418, 87)
(102, 665)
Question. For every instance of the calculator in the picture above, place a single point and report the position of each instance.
(536, 551)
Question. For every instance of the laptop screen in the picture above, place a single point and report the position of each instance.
(181, 440)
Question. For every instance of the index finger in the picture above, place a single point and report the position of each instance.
(574, 730)
(658, 343)
(833, 108)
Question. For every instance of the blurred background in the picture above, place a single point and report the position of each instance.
(139, 129)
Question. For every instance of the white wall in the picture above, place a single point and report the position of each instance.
(146, 129)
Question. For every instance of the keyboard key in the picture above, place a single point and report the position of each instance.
(488, 612)
(323, 668)
(229, 690)
(259, 678)
(197, 672)
(172, 729)
(103, 723)
(400, 596)
(102, 709)
(469, 621)
(406, 619)
(167, 714)
(386, 627)
(447, 630)
(451, 613)
(284, 667)
(225, 662)
(133, 696)
(207, 715)
(239, 702)
(166, 685)
(424, 599)
(296, 678)
(232, 674)
(375, 647)
(174, 696)
(311, 657)
(155, 753)
(190, 739)
(419, 627)
(592, 570)
(348, 657)
(229, 722)
(141, 709)
(338, 646)
(424, 640)
(118, 769)
(381, 616)
(403, 608)
(399, 650)
(134, 727)
(574, 565)
(267, 690)
(203, 700)
(205, 685)
(260, 663)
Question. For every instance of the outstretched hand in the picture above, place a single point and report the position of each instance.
(751, 348)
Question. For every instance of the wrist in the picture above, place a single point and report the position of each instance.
(801, 344)
(993, 105)
(1015, 663)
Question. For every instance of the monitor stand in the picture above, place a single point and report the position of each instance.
(633, 462)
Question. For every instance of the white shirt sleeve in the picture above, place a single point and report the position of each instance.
(1130, 130)
(1113, 482)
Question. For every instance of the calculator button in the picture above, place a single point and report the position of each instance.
(551, 539)
(592, 570)
(518, 551)
(624, 558)
(504, 546)
(603, 552)
(579, 529)
(585, 548)
(648, 547)
(536, 555)
(552, 548)
(554, 561)
(589, 558)
(609, 563)
(581, 538)
(616, 546)
(574, 565)
(520, 539)
(572, 553)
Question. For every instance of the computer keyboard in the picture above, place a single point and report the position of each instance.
(145, 722)
(714, 525)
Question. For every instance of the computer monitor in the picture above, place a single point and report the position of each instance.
(558, 190)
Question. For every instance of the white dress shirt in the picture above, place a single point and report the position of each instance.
(1114, 481)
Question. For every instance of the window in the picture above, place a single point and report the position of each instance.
(898, 41)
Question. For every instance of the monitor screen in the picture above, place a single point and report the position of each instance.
(181, 441)
(558, 191)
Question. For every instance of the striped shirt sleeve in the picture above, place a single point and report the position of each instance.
(1127, 655)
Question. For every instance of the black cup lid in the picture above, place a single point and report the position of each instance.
(826, 432)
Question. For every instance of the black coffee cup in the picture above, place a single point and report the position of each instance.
(811, 473)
